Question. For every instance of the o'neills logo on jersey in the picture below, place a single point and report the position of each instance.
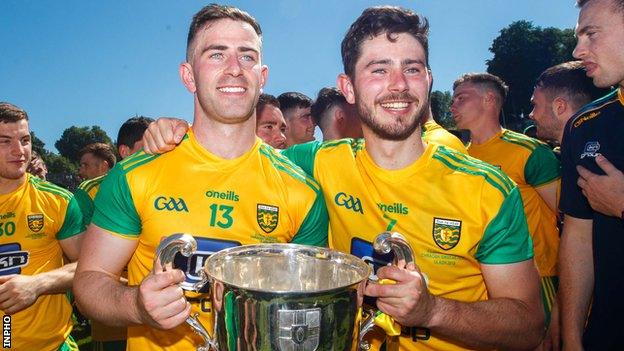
(396, 207)
(163, 203)
(349, 202)
(223, 195)
(35, 222)
(446, 232)
(267, 217)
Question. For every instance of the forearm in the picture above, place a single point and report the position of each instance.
(576, 279)
(56, 281)
(511, 324)
(104, 298)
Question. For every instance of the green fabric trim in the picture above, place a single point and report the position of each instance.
(137, 160)
(291, 169)
(506, 238)
(303, 155)
(520, 139)
(85, 203)
(73, 223)
(542, 167)
(114, 206)
(87, 185)
(50, 188)
(69, 344)
(313, 230)
(475, 167)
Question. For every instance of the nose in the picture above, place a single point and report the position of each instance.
(233, 65)
(17, 148)
(580, 49)
(531, 114)
(398, 82)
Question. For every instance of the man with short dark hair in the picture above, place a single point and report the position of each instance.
(96, 160)
(299, 124)
(477, 104)
(270, 124)
(130, 133)
(336, 118)
(559, 92)
(592, 244)
(241, 192)
(40, 223)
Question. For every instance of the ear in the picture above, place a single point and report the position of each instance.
(124, 151)
(346, 87)
(559, 106)
(264, 75)
(188, 79)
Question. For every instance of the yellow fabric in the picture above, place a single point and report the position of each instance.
(47, 323)
(215, 182)
(512, 159)
(366, 200)
(433, 132)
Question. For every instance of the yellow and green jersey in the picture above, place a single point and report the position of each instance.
(85, 194)
(259, 197)
(433, 132)
(33, 219)
(531, 164)
(455, 211)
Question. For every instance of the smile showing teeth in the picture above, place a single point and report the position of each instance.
(395, 105)
(231, 90)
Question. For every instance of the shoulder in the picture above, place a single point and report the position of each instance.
(51, 190)
(461, 163)
(90, 185)
(595, 109)
(286, 167)
(522, 140)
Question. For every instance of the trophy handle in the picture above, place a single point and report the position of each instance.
(165, 253)
(385, 243)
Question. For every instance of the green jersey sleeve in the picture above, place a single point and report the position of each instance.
(313, 230)
(114, 208)
(85, 203)
(506, 238)
(542, 167)
(73, 222)
(303, 155)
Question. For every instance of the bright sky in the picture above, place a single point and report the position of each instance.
(83, 63)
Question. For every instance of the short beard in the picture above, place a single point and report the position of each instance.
(394, 132)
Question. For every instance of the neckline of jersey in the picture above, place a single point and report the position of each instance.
(19, 188)
(489, 141)
(219, 163)
(404, 173)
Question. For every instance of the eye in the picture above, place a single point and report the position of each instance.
(216, 55)
(412, 70)
(379, 71)
(248, 58)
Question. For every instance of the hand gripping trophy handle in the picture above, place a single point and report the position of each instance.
(165, 253)
(384, 244)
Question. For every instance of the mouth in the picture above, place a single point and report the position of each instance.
(590, 67)
(395, 105)
(232, 89)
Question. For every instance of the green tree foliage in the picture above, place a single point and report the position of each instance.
(521, 52)
(75, 138)
(440, 107)
(38, 145)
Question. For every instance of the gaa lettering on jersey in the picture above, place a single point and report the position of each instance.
(192, 266)
(35, 222)
(223, 195)
(582, 120)
(349, 202)
(12, 258)
(170, 204)
(591, 149)
(396, 207)
(446, 232)
(267, 217)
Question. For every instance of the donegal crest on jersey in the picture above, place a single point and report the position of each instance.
(446, 232)
(267, 216)
(35, 222)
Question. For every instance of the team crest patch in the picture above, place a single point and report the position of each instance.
(446, 232)
(35, 222)
(267, 217)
